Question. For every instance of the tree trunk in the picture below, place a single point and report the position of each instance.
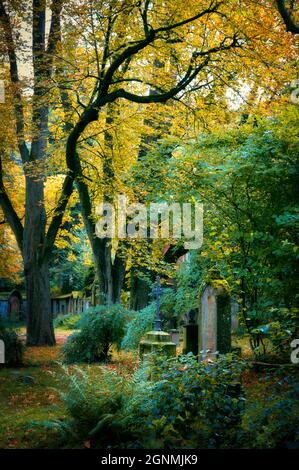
(40, 329)
(39, 318)
(140, 291)
(118, 276)
(110, 275)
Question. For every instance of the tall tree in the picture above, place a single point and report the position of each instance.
(148, 27)
(34, 240)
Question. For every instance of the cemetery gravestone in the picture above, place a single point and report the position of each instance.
(214, 323)
(157, 340)
(175, 336)
(14, 305)
(2, 352)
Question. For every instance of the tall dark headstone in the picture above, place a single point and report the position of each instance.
(190, 339)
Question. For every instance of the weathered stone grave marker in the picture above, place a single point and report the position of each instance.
(208, 331)
(214, 322)
(2, 352)
(157, 340)
(14, 305)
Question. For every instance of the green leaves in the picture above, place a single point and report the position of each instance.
(101, 327)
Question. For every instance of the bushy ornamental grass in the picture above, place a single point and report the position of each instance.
(100, 328)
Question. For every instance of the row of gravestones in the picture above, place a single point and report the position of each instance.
(207, 332)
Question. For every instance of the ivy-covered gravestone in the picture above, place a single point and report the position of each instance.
(157, 340)
(214, 320)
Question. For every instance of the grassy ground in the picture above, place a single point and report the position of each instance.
(32, 393)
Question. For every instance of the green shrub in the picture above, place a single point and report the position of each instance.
(187, 405)
(69, 321)
(274, 338)
(89, 403)
(191, 404)
(101, 327)
(276, 423)
(13, 346)
(96, 408)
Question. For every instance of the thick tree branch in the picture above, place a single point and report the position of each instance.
(10, 213)
(56, 221)
(211, 9)
(151, 36)
(286, 15)
(191, 74)
(144, 12)
(38, 36)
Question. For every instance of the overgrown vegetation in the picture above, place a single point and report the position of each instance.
(100, 328)
(68, 322)
(250, 223)
(184, 405)
(160, 102)
(177, 403)
(104, 406)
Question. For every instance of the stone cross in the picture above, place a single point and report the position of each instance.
(157, 293)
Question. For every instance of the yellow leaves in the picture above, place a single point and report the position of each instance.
(87, 258)
(71, 256)
(65, 238)
(10, 257)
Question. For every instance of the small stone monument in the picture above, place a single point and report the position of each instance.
(2, 352)
(214, 323)
(175, 336)
(14, 305)
(157, 340)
